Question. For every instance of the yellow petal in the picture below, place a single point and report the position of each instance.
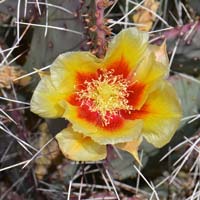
(128, 46)
(149, 73)
(163, 114)
(77, 147)
(68, 66)
(161, 53)
(118, 131)
(46, 99)
(150, 70)
(131, 147)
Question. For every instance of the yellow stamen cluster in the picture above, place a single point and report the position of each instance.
(106, 95)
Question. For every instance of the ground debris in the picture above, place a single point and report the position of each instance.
(8, 74)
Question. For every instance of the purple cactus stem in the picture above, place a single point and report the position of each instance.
(179, 32)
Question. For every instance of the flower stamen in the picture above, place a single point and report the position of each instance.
(107, 95)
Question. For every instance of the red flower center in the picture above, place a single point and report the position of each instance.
(107, 95)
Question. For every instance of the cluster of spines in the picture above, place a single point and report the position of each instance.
(96, 28)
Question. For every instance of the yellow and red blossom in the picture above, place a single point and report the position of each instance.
(116, 100)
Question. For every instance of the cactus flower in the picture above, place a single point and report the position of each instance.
(117, 100)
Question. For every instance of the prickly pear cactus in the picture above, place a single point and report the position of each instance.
(44, 29)
(26, 10)
(66, 33)
(184, 43)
